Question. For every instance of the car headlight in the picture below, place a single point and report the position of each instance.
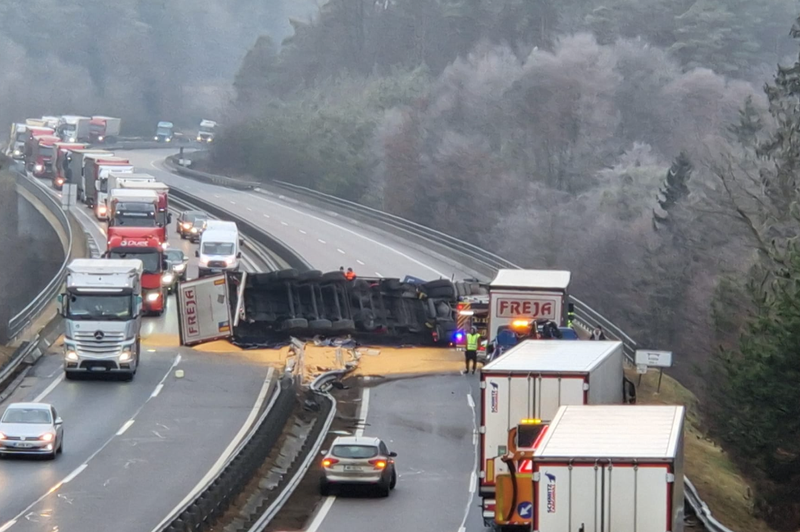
(125, 356)
(101, 209)
(153, 296)
(167, 279)
(229, 261)
(72, 356)
(179, 267)
(187, 225)
(2, 436)
(100, 138)
(38, 168)
(194, 229)
(17, 152)
(59, 181)
(47, 436)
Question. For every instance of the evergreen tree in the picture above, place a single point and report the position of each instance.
(750, 124)
(674, 190)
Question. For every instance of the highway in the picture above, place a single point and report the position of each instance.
(132, 451)
(428, 421)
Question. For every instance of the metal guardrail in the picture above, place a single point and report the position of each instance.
(18, 323)
(320, 386)
(488, 263)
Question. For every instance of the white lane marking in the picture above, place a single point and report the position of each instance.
(125, 427)
(319, 518)
(346, 230)
(363, 412)
(232, 202)
(284, 223)
(472, 477)
(49, 389)
(75, 473)
(266, 216)
(177, 361)
(216, 195)
(322, 513)
(249, 209)
(378, 274)
(7, 525)
(321, 241)
(340, 251)
(302, 232)
(220, 463)
(358, 261)
(157, 390)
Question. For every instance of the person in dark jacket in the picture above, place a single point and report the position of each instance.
(598, 334)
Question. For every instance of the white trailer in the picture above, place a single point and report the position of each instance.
(527, 295)
(610, 468)
(531, 381)
(73, 128)
(204, 312)
(104, 129)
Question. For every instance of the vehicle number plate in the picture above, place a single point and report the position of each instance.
(98, 368)
(352, 468)
(25, 445)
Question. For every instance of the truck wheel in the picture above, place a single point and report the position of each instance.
(366, 320)
(438, 283)
(319, 324)
(286, 275)
(343, 325)
(310, 275)
(296, 323)
(336, 276)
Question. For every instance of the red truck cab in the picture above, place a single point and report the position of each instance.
(63, 153)
(133, 210)
(44, 154)
(143, 244)
(31, 141)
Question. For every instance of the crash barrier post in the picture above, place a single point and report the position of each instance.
(487, 264)
(199, 513)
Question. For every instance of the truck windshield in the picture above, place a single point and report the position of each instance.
(164, 131)
(46, 151)
(217, 248)
(69, 129)
(97, 128)
(99, 307)
(134, 215)
(150, 257)
(21, 136)
(206, 129)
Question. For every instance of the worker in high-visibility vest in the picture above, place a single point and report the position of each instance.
(471, 353)
(570, 318)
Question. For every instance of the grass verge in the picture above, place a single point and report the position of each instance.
(717, 480)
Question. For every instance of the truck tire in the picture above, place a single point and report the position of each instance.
(333, 277)
(462, 289)
(343, 325)
(310, 275)
(438, 283)
(446, 292)
(319, 325)
(295, 323)
(287, 275)
(393, 284)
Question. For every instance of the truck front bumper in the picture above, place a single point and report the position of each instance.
(75, 363)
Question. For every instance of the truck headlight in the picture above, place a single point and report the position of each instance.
(125, 356)
(17, 152)
(72, 139)
(72, 356)
(203, 260)
(100, 138)
(153, 296)
(169, 139)
(230, 260)
(101, 210)
(38, 168)
(167, 279)
(199, 138)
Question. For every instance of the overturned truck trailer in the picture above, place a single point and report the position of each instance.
(267, 308)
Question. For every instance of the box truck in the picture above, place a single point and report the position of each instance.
(531, 381)
(526, 296)
(104, 129)
(610, 468)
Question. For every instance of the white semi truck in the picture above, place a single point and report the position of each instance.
(610, 468)
(531, 381)
(72, 128)
(102, 309)
(527, 295)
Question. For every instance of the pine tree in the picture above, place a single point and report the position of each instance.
(674, 190)
(750, 124)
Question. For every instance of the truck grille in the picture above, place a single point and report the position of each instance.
(109, 344)
(217, 264)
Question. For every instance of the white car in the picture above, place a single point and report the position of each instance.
(358, 460)
(31, 429)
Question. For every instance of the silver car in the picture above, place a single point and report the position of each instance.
(358, 460)
(31, 428)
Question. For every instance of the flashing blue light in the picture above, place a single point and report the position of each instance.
(459, 336)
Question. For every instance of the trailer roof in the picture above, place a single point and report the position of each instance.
(613, 431)
(553, 356)
(132, 175)
(128, 193)
(107, 266)
(532, 279)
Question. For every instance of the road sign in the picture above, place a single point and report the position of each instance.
(525, 510)
(654, 359)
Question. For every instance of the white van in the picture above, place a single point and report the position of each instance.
(219, 248)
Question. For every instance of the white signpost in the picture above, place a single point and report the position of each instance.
(69, 195)
(647, 358)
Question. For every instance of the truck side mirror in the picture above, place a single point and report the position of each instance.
(60, 300)
(169, 217)
(197, 253)
(571, 307)
(139, 302)
(241, 242)
(164, 264)
(239, 255)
